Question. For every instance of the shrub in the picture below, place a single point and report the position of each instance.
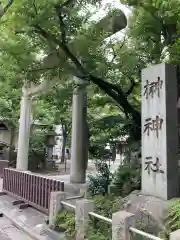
(172, 222)
(127, 179)
(36, 150)
(65, 222)
(97, 229)
(98, 183)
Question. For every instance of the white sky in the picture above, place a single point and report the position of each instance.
(113, 3)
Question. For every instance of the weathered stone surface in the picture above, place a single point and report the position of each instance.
(83, 207)
(29, 220)
(150, 212)
(79, 141)
(24, 130)
(175, 235)
(3, 236)
(159, 132)
(121, 222)
(55, 205)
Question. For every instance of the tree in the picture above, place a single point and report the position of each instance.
(158, 44)
(65, 29)
(4, 9)
(59, 102)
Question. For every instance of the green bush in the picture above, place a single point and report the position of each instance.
(36, 150)
(97, 151)
(172, 222)
(97, 229)
(98, 183)
(127, 179)
(105, 206)
(65, 222)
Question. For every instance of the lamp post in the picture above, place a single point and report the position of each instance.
(50, 143)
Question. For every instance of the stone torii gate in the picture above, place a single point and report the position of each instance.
(79, 144)
(114, 22)
(28, 92)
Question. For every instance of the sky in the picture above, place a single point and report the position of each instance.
(115, 3)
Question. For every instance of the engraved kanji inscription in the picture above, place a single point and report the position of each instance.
(154, 166)
(153, 125)
(152, 88)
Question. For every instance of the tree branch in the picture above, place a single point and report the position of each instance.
(65, 4)
(8, 5)
(61, 24)
(50, 37)
(112, 90)
(43, 69)
(35, 8)
(132, 85)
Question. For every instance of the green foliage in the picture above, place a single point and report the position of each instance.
(41, 34)
(65, 222)
(98, 183)
(97, 229)
(172, 222)
(37, 150)
(98, 151)
(107, 205)
(127, 178)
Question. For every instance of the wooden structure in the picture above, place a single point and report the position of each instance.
(30, 188)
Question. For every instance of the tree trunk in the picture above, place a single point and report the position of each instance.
(112, 90)
(113, 153)
(63, 144)
(11, 147)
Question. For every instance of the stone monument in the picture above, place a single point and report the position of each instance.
(160, 176)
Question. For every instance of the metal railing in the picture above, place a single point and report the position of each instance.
(90, 213)
(68, 205)
(108, 220)
(32, 189)
(144, 234)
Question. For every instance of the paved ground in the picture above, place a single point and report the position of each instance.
(10, 232)
(74, 188)
(91, 169)
(29, 219)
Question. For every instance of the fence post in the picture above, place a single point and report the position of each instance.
(121, 222)
(84, 191)
(83, 207)
(55, 205)
(175, 235)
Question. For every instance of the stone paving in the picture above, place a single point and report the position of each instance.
(30, 220)
(10, 232)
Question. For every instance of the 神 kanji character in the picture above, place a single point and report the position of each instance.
(153, 125)
(148, 126)
(157, 125)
